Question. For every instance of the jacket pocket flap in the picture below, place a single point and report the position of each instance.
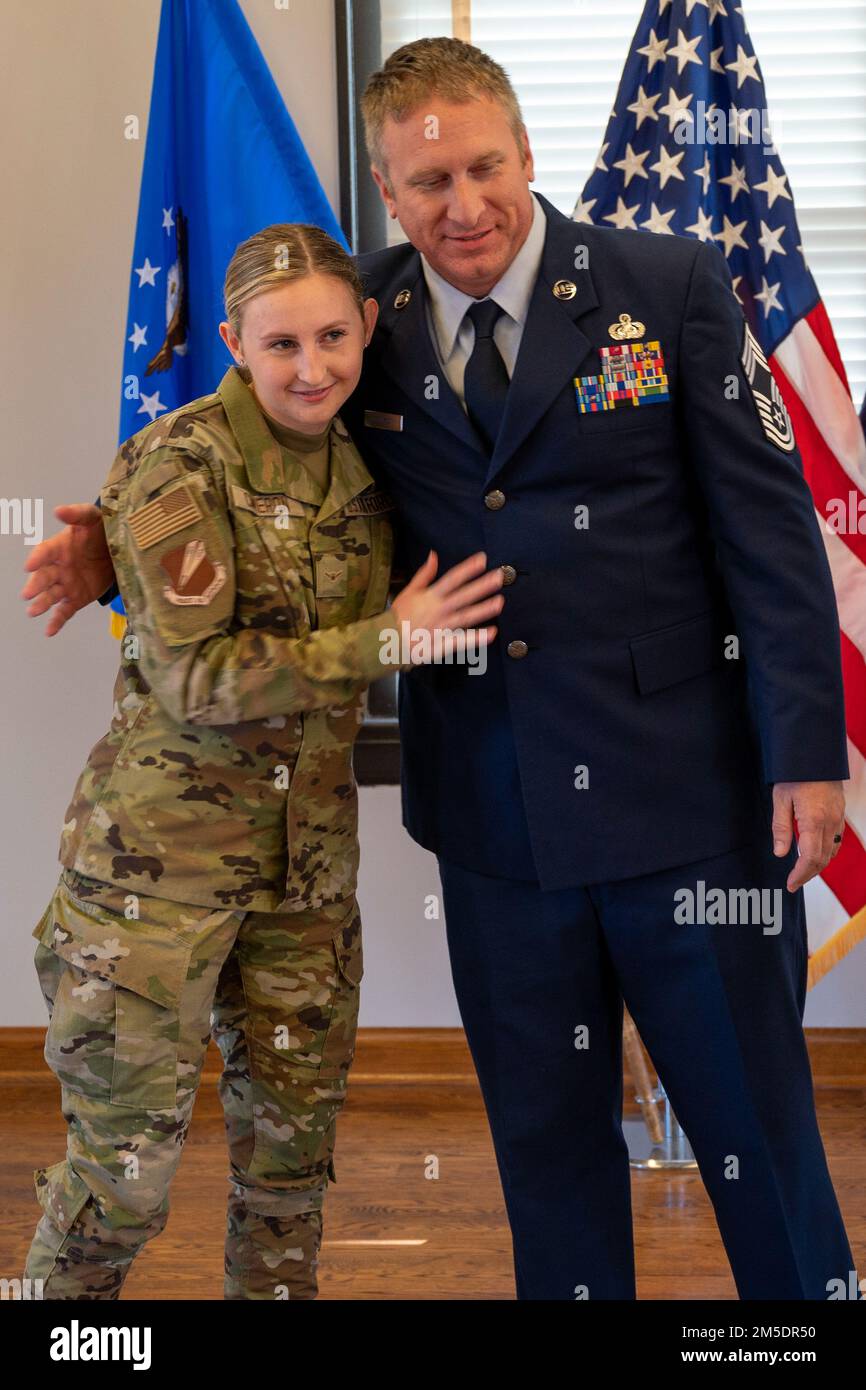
(138, 956)
(676, 653)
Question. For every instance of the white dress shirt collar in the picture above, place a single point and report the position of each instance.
(512, 292)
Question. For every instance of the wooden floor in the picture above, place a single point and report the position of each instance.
(390, 1232)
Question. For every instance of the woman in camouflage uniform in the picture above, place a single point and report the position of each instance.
(210, 850)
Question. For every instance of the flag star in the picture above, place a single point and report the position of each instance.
(167, 219)
(717, 7)
(667, 166)
(744, 66)
(703, 228)
(736, 280)
(690, 5)
(704, 172)
(623, 217)
(731, 235)
(774, 187)
(715, 65)
(685, 51)
(663, 4)
(632, 164)
(599, 163)
(582, 210)
(151, 405)
(737, 179)
(644, 106)
(768, 297)
(138, 337)
(743, 119)
(146, 273)
(677, 108)
(658, 221)
(655, 50)
(769, 241)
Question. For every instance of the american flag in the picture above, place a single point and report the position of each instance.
(688, 151)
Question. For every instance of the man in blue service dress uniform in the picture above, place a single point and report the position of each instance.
(612, 801)
(610, 757)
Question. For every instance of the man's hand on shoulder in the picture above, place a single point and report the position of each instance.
(70, 570)
(819, 810)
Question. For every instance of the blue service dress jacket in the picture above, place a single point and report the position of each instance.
(669, 644)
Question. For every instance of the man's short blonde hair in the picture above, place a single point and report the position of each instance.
(447, 68)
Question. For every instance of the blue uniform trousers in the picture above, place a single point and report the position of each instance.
(540, 979)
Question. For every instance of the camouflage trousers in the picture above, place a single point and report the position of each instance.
(134, 987)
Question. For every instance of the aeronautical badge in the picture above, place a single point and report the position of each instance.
(194, 577)
(772, 412)
(631, 374)
(626, 327)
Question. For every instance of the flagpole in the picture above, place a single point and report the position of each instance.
(822, 961)
(461, 20)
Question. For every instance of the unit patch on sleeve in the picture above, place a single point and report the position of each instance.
(194, 577)
(772, 412)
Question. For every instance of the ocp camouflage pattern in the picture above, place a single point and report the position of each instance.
(131, 1002)
(254, 610)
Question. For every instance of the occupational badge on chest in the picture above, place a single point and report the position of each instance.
(194, 577)
(631, 374)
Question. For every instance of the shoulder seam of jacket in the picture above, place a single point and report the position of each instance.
(686, 298)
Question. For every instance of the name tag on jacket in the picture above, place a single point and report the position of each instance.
(381, 420)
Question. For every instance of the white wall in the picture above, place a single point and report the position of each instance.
(73, 69)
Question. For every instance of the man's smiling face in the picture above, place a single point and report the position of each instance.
(462, 198)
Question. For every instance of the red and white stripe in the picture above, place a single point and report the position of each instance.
(829, 435)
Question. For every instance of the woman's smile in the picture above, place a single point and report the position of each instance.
(312, 396)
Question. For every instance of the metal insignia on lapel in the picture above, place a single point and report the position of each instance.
(402, 299)
(631, 374)
(565, 289)
(774, 417)
(626, 327)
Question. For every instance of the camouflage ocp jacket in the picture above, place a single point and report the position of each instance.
(254, 611)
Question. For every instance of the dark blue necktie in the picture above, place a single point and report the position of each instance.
(485, 384)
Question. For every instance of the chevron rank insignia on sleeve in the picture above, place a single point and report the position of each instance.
(772, 412)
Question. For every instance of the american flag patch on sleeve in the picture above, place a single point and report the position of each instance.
(163, 516)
